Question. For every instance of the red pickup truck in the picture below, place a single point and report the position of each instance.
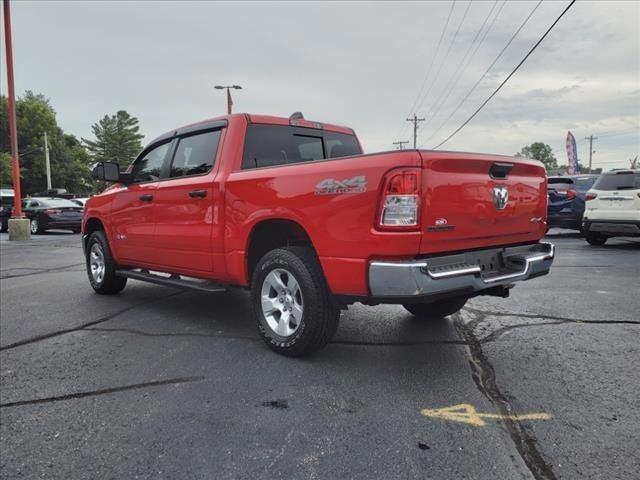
(293, 210)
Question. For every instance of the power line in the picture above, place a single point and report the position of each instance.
(508, 77)
(495, 60)
(455, 78)
(424, 81)
(446, 55)
(400, 143)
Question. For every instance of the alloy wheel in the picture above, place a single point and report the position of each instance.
(282, 303)
(96, 263)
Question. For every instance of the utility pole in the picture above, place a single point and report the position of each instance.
(415, 121)
(228, 88)
(46, 161)
(591, 138)
(400, 143)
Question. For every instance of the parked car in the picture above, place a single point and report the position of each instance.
(6, 207)
(48, 213)
(294, 211)
(613, 207)
(566, 200)
(80, 201)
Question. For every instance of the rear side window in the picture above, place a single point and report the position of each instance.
(270, 145)
(618, 181)
(195, 154)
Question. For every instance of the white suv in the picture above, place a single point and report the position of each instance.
(613, 207)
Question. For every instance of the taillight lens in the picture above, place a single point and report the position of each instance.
(401, 200)
(590, 196)
(571, 194)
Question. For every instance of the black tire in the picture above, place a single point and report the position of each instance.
(438, 309)
(108, 283)
(595, 238)
(35, 227)
(4, 226)
(319, 317)
(75, 230)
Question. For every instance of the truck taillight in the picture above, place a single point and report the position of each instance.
(571, 194)
(590, 196)
(400, 200)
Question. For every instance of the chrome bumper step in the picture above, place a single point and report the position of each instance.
(468, 272)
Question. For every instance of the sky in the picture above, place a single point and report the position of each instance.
(361, 64)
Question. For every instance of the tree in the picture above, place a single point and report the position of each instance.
(70, 163)
(117, 139)
(540, 151)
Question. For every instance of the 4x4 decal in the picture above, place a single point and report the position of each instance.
(331, 186)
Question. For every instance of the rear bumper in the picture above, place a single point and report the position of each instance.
(461, 274)
(625, 228)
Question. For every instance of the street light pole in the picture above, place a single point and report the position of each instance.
(47, 163)
(11, 99)
(228, 89)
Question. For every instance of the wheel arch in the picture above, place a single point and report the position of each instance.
(269, 234)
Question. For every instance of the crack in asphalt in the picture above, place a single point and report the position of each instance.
(37, 271)
(83, 326)
(134, 331)
(547, 317)
(484, 377)
(104, 391)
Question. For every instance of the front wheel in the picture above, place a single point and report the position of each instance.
(101, 267)
(595, 238)
(438, 309)
(35, 227)
(291, 302)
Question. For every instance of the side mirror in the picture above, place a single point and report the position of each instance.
(108, 172)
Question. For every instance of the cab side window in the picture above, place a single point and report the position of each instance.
(148, 167)
(195, 154)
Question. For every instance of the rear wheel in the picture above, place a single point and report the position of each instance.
(595, 238)
(101, 267)
(5, 225)
(436, 310)
(291, 302)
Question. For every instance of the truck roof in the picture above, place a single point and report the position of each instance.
(253, 118)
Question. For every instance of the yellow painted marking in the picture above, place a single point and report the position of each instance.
(466, 413)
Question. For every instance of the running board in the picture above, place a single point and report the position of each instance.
(171, 280)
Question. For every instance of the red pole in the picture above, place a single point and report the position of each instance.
(13, 129)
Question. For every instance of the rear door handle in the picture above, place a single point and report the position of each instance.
(147, 197)
(198, 193)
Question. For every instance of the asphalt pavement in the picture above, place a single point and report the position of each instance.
(162, 383)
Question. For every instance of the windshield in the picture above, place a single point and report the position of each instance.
(618, 181)
(56, 203)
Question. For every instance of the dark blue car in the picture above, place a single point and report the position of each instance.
(566, 200)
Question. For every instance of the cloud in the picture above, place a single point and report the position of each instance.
(360, 64)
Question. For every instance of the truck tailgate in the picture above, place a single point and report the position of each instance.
(475, 201)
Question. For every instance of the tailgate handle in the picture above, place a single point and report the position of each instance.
(500, 169)
(198, 193)
(147, 197)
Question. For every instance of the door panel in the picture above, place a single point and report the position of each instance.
(134, 223)
(184, 223)
(185, 204)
